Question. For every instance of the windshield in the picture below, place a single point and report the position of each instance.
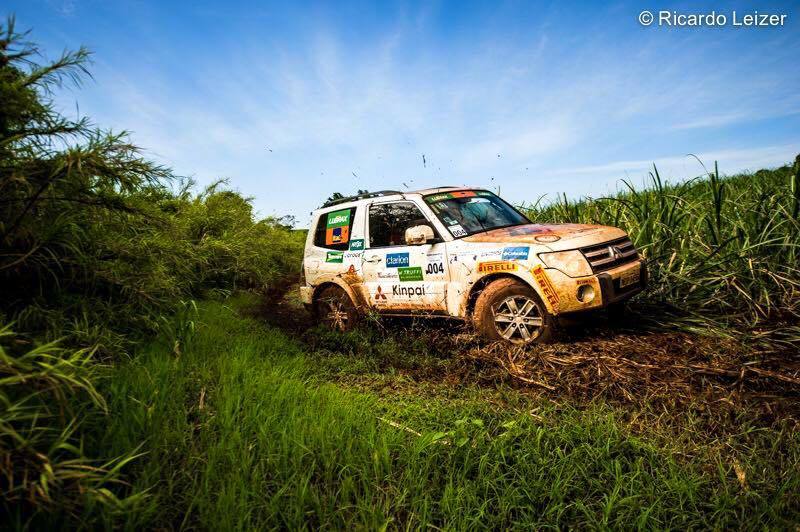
(466, 212)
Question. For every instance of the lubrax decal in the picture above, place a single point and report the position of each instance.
(515, 253)
(409, 291)
(395, 260)
(496, 266)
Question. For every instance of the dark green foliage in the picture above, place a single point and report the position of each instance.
(97, 246)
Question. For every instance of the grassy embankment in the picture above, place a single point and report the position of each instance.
(249, 427)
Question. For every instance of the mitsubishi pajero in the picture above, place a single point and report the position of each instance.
(462, 253)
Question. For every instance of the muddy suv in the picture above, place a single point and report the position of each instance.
(461, 253)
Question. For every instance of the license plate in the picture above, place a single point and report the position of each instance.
(629, 278)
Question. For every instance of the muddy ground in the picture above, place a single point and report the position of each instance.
(665, 372)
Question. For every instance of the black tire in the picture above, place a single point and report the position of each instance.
(334, 309)
(512, 302)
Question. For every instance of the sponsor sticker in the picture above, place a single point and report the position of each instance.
(547, 287)
(438, 197)
(357, 244)
(493, 253)
(412, 273)
(338, 218)
(334, 256)
(379, 295)
(337, 227)
(516, 253)
(407, 291)
(484, 193)
(387, 275)
(395, 260)
(496, 266)
(457, 230)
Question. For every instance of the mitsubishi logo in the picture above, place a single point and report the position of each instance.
(379, 294)
(614, 252)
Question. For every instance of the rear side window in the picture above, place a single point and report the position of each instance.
(388, 223)
(333, 229)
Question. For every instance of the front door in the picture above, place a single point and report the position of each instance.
(398, 277)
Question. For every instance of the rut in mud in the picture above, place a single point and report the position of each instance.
(595, 360)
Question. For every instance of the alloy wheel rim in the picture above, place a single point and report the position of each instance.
(336, 315)
(518, 319)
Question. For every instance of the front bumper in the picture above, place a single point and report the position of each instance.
(610, 291)
(607, 288)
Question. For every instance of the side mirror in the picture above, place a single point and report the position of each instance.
(419, 234)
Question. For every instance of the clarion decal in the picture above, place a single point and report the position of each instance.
(396, 260)
(408, 291)
(496, 266)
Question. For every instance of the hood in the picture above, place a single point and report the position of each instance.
(557, 237)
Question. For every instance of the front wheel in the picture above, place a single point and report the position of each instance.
(511, 311)
(334, 309)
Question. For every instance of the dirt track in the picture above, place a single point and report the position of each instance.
(593, 360)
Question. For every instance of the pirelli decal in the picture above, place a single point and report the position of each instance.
(546, 286)
(496, 266)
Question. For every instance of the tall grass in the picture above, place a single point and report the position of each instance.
(242, 433)
(723, 252)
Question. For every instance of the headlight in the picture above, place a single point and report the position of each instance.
(570, 262)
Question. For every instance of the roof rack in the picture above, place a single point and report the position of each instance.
(360, 197)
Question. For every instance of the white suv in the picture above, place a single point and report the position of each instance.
(463, 253)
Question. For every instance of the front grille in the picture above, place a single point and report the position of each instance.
(611, 254)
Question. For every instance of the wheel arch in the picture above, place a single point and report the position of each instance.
(486, 280)
(352, 293)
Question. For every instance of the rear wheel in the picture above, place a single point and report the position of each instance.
(511, 311)
(334, 309)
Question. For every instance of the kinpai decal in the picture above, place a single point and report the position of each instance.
(408, 291)
(496, 266)
(547, 287)
(515, 253)
(337, 227)
(379, 295)
(395, 260)
(334, 256)
(357, 244)
(413, 273)
(457, 230)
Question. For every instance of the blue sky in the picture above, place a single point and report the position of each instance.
(294, 101)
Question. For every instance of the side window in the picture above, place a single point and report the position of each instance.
(388, 223)
(333, 229)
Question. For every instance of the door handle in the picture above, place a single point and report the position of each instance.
(373, 259)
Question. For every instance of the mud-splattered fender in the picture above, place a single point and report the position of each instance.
(463, 294)
(351, 283)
